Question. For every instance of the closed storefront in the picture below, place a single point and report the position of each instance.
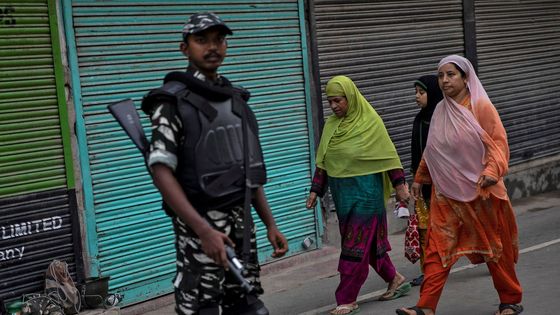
(38, 220)
(518, 51)
(383, 46)
(122, 49)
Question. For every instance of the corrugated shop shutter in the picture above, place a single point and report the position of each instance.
(518, 60)
(383, 46)
(37, 201)
(35, 229)
(124, 48)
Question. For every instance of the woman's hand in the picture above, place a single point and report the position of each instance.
(311, 200)
(416, 191)
(278, 242)
(486, 181)
(402, 192)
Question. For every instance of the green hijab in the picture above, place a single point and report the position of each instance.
(358, 143)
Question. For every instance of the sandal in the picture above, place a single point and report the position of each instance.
(393, 286)
(397, 293)
(418, 311)
(351, 308)
(516, 308)
(417, 281)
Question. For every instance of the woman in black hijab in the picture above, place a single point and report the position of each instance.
(428, 95)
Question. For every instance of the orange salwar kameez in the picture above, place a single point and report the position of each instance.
(484, 230)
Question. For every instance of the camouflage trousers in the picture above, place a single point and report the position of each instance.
(199, 282)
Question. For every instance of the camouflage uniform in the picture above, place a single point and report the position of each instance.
(199, 281)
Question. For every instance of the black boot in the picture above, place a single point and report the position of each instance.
(209, 310)
(249, 305)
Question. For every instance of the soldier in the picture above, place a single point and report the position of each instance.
(204, 138)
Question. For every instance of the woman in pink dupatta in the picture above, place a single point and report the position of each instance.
(465, 159)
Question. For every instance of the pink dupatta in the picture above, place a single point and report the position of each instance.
(456, 149)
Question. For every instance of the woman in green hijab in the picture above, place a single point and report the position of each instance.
(358, 161)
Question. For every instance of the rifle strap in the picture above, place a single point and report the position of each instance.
(247, 218)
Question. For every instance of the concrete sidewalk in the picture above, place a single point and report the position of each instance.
(293, 272)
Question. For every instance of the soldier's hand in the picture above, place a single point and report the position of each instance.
(278, 242)
(213, 246)
(311, 200)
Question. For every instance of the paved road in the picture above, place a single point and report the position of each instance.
(469, 289)
(308, 287)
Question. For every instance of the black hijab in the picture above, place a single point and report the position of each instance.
(421, 125)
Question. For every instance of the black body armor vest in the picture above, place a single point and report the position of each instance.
(210, 160)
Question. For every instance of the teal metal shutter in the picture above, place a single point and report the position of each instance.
(123, 49)
(383, 46)
(518, 60)
(37, 199)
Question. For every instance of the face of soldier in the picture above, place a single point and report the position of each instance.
(206, 50)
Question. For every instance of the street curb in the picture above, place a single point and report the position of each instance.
(149, 305)
(536, 202)
(102, 311)
(297, 260)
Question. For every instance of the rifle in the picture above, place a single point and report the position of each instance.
(125, 113)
